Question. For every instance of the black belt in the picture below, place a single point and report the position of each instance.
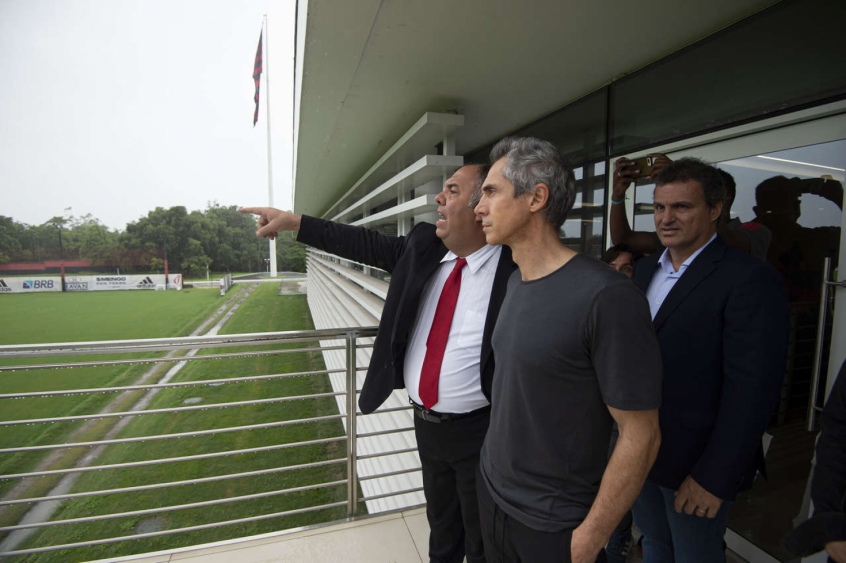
(438, 417)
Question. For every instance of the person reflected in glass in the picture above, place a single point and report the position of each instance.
(797, 251)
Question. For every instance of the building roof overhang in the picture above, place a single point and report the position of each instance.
(369, 69)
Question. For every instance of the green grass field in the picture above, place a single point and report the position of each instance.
(263, 311)
(67, 317)
(102, 315)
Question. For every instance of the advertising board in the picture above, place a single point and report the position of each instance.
(30, 284)
(90, 283)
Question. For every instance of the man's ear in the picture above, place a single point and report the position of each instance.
(716, 211)
(539, 197)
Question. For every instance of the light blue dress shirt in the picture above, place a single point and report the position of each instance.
(667, 276)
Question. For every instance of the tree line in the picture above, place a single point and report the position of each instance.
(219, 238)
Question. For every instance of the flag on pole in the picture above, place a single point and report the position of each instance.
(257, 79)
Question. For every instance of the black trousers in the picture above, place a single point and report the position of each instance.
(449, 454)
(508, 541)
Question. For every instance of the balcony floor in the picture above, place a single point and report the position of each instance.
(399, 537)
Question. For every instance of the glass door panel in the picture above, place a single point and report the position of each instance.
(797, 195)
(805, 218)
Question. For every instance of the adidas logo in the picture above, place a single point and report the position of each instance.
(146, 282)
(4, 288)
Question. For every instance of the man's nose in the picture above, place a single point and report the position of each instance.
(439, 199)
(668, 216)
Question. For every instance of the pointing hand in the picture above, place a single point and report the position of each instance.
(272, 221)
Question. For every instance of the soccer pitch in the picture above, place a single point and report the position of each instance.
(264, 310)
(68, 317)
(102, 315)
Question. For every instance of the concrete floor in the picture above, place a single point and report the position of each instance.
(400, 537)
(397, 537)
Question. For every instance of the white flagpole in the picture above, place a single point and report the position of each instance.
(266, 68)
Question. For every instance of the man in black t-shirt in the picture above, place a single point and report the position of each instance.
(575, 351)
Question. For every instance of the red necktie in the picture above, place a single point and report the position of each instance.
(436, 343)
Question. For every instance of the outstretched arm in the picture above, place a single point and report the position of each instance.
(832, 190)
(347, 241)
(271, 221)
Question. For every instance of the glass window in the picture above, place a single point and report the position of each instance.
(583, 230)
(643, 210)
(789, 55)
(578, 130)
(791, 203)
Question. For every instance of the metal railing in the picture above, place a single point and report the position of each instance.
(117, 422)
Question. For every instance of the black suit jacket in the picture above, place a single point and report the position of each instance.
(723, 332)
(411, 260)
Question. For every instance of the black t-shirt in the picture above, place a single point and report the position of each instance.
(566, 345)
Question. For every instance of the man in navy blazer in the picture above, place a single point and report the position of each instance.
(449, 433)
(721, 317)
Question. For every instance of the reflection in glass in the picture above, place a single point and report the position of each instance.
(797, 194)
(583, 229)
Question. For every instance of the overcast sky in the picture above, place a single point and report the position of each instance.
(115, 107)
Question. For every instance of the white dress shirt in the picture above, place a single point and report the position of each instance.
(460, 383)
(666, 277)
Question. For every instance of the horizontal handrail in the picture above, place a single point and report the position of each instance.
(332, 343)
(377, 433)
(385, 411)
(167, 410)
(393, 494)
(178, 459)
(174, 359)
(172, 507)
(250, 338)
(165, 484)
(158, 348)
(390, 474)
(154, 437)
(167, 385)
(384, 454)
(176, 530)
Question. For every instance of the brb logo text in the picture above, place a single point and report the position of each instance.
(38, 284)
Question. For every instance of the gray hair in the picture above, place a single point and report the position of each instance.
(482, 170)
(531, 162)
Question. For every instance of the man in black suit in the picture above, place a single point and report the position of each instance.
(452, 410)
(722, 322)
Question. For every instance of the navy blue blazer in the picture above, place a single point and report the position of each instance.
(723, 331)
(411, 260)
